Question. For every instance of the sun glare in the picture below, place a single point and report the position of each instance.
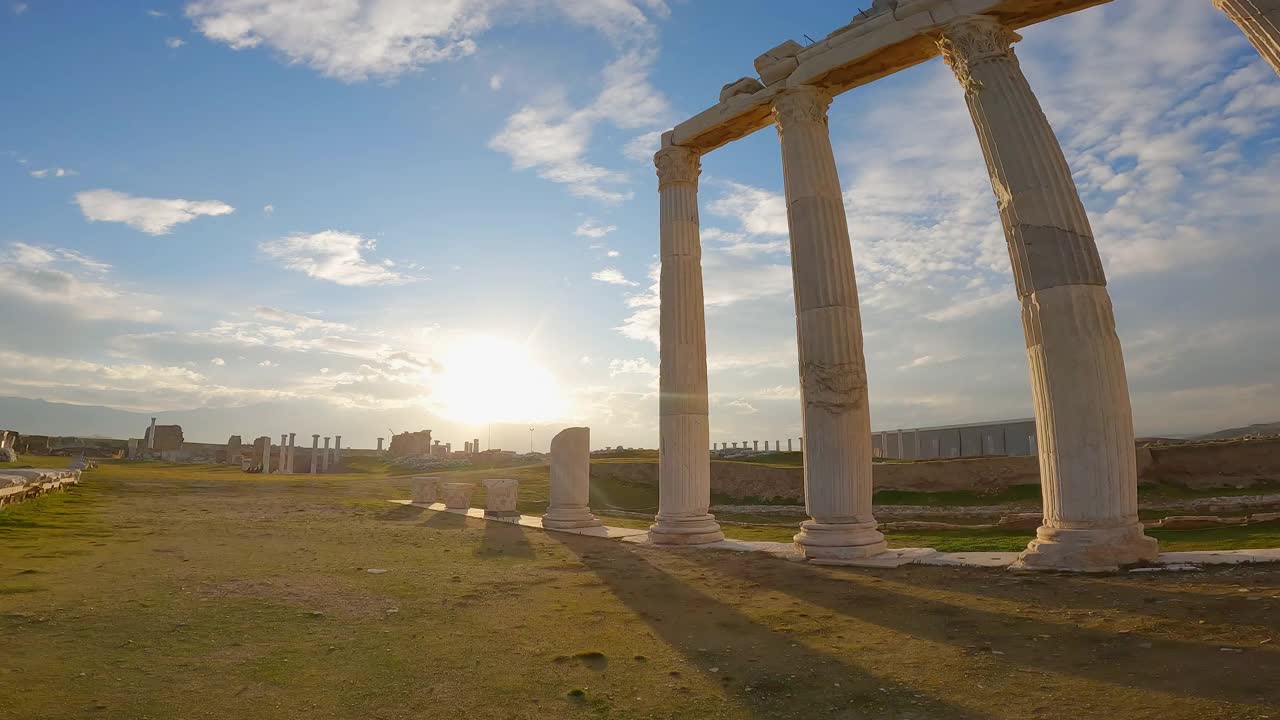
(491, 380)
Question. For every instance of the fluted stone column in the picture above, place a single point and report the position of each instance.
(337, 449)
(324, 457)
(1260, 21)
(1084, 425)
(684, 456)
(292, 451)
(833, 375)
(315, 453)
(266, 455)
(570, 494)
(282, 465)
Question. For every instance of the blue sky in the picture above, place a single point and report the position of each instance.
(424, 214)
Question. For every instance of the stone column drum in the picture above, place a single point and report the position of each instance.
(1084, 425)
(457, 496)
(501, 495)
(570, 481)
(1260, 21)
(833, 377)
(684, 436)
(424, 489)
(315, 453)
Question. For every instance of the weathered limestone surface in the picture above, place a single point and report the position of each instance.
(315, 453)
(570, 481)
(424, 489)
(684, 445)
(457, 496)
(324, 457)
(501, 495)
(833, 376)
(1260, 21)
(292, 448)
(264, 446)
(234, 444)
(1084, 424)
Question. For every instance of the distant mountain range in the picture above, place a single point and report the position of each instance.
(358, 427)
(1272, 428)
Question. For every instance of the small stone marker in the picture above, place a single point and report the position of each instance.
(502, 495)
(424, 489)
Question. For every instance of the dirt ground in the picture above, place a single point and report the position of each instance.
(147, 595)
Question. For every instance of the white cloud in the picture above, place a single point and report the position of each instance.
(20, 8)
(743, 407)
(613, 253)
(173, 43)
(592, 229)
(634, 366)
(353, 41)
(268, 364)
(334, 256)
(585, 360)
(217, 362)
(268, 209)
(67, 278)
(154, 216)
(552, 136)
(758, 211)
(643, 147)
(156, 13)
(495, 82)
(55, 172)
(613, 276)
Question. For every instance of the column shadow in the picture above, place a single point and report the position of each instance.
(503, 539)
(763, 670)
(1150, 662)
(445, 521)
(401, 513)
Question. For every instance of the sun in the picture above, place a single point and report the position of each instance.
(491, 380)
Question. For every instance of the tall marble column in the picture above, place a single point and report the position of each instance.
(1260, 21)
(324, 457)
(337, 449)
(283, 462)
(684, 454)
(151, 436)
(833, 376)
(1084, 425)
(315, 453)
(292, 450)
(266, 455)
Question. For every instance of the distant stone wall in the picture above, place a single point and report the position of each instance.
(1225, 464)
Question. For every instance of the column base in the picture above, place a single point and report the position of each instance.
(697, 530)
(839, 541)
(1100, 550)
(569, 519)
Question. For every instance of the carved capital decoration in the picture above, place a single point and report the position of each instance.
(677, 164)
(805, 104)
(973, 40)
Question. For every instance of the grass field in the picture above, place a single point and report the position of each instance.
(156, 591)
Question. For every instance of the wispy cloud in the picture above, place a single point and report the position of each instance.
(54, 172)
(613, 276)
(154, 216)
(338, 257)
(72, 280)
(593, 229)
(173, 43)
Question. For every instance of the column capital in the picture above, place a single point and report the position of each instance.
(803, 104)
(972, 40)
(677, 163)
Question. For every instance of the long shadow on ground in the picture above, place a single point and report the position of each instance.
(1186, 668)
(762, 669)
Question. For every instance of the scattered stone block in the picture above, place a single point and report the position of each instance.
(457, 495)
(570, 481)
(501, 497)
(424, 489)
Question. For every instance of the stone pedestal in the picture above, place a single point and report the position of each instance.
(1084, 425)
(1260, 22)
(684, 437)
(457, 496)
(570, 481)
(833, 377)
(501, 496)
(424, 489)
